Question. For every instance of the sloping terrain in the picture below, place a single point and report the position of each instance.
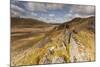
(72, 41)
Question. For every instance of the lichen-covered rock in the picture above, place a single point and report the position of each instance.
(58, 60)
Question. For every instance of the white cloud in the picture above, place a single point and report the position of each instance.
(51, 15)
(34, 6)
(54, 6)
(79, 11)
(34, 14)
(17, 8)
(82, 10)
(31, 6)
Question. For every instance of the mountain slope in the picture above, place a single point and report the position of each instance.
(72, 41)
(80, 23)
(26, 22)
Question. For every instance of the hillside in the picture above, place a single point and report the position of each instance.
(80, 23)
(26, 22)
(72, 41)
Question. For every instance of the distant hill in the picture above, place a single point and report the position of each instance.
(79, 23)
(25, 22)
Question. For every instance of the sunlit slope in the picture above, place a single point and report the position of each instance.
(72, 41)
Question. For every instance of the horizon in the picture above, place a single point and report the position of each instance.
(52, 22)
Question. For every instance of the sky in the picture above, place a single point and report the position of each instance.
(50, 12)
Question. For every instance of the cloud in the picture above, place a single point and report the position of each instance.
(16, 10)
(50, 11)
(51, 15)
(52, 6)
(31, 6)
(15, 7)
(27, 7)
(43, 7)
(80, 10)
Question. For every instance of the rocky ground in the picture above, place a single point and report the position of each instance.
(69, 42)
